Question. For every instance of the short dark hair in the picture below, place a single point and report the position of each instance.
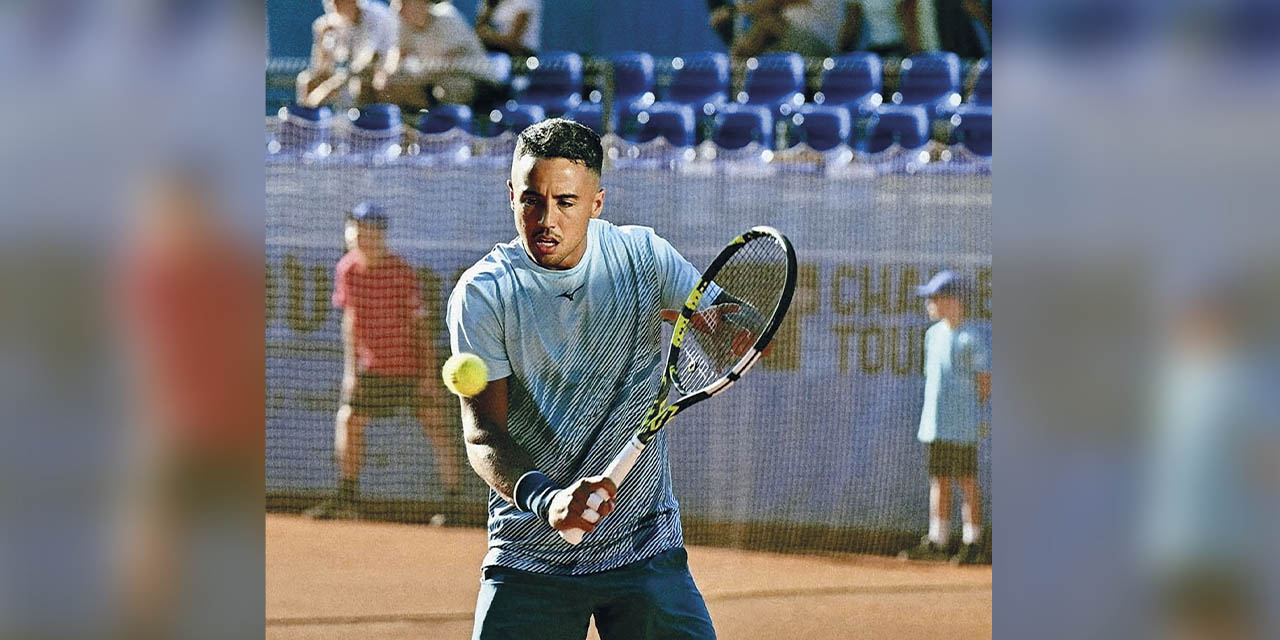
(560, 138)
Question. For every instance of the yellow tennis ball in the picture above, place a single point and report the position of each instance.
(465, 374)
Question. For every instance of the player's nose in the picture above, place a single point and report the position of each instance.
(548, 217)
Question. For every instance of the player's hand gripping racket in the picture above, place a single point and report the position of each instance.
(725, 325)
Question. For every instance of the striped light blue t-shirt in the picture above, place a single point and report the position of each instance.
(581, 350)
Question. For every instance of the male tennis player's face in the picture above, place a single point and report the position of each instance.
(553, 200)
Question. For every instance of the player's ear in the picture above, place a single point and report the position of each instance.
(511, 194)
(597, 203)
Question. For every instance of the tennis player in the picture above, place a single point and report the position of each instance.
(567, 316)
(389, 360)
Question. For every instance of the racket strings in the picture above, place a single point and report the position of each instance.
(737, 309)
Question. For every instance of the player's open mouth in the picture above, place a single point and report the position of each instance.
(545, 244)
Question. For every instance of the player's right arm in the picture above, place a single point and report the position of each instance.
(496, 457)
(502, 463)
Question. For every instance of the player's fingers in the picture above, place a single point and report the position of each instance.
(606, 508)
(702, 322)
(595, 499)
(577, 522)
(668, 315)
(605, 483)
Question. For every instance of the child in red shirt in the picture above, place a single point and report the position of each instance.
(389, 359)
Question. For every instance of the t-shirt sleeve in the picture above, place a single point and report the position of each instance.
(341, 285)
(475, 326)
(678, 275)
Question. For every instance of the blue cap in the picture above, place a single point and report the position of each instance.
(371, 213)
(946, 282)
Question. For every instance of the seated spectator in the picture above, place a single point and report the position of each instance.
(890, 28)
(513, 27)
(723, 14)
(807, 27)
(964, 27)
(438, 58)
(347, 42)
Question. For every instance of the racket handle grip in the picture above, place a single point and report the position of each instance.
(616, 471)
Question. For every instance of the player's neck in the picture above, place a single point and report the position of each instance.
(954, 322)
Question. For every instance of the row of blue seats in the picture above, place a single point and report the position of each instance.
(701, 80)
(776, 80)
(734, 126)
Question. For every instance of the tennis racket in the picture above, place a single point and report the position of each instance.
(724, 328)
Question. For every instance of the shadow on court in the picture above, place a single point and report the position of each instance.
(394, 581)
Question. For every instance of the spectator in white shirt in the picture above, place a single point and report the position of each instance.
(891, 28)
(438, 57)
(347, 42)
(513, 27)
(807, 27)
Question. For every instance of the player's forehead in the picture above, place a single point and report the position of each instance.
(553, 176)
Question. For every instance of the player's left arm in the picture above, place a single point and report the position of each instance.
(679, 277)
(981, 359)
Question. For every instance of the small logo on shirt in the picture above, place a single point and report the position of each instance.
(568, 295)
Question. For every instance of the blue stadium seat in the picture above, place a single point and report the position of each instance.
(821, 127)
(675, 122)
(701, 81)
(516, 118)
(444, 117)
(501, 64)
(632, 79)
(906, 125)
(304, 128)
(775, 80)
(592, 115)
(853, 81)
(972, 124)
(377, 117)
(931, 80)
(982, 88)
(375, 127)
(739, 124)
(556, 82)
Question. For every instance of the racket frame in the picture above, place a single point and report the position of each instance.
(661, 412)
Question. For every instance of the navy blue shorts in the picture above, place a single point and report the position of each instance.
(653, 598)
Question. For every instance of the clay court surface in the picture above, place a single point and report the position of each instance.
(331, 580)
